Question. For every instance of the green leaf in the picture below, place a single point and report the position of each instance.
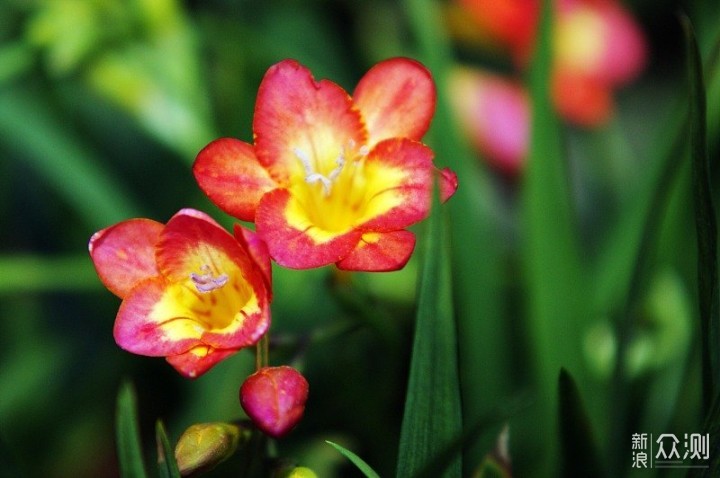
(128, 434)
(432, 416)
(705, 222)
(484, 334)
(579, 451)
(167, 466)
(711, 427)
(551, 258)
(356, 460)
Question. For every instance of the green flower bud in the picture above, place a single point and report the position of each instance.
(204, 445)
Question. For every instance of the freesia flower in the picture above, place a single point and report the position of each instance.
(598, 47)
(190, 291)
(274, 399)
(494, 112)
(332, 178)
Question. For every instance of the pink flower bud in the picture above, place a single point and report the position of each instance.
(274, 399)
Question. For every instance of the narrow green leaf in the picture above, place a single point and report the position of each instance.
(551, 258)
(33, 273)
(579, 451)
(432, 417)
(356, 460)
(705, 222)
(484, 345)
(167, 466)
(127, 433)
(711, 427)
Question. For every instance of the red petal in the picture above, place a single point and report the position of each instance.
(406, 200)
(396, 98)
(124, 254)
(192, 240)
(274, 398)
(448, 183)
(293, 241)
(231, 176)
(258, 251)
(581, 99)
(198, 360)
(380, 252)
(294, 113)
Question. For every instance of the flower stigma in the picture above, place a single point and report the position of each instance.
(206, 282)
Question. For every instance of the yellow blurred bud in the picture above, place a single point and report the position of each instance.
(204, 445)
(297, 472)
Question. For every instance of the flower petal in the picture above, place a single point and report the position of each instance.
(151, 321)
(448, 183)
(380, 252)
(399, 177)
(231, 176)
(198, 360)
(396, 98)
(258, 251)
(581, 99)
(293, 240)
(124, 254)
(192, 241)
(296, 116)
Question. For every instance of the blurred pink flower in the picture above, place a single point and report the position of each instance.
(495, 114)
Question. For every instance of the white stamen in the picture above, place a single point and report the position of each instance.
(206, 282)
(312, 176)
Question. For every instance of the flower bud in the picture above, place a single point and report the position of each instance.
(274, 399)
(204, 445)
(297, 472)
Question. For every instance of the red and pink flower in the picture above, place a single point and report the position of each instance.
(190, 291)
(330, 178)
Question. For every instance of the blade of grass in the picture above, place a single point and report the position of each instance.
(356, 460)
(705, 222)
(167, 466)
(128, 434)
(26, 273)
(579, 451)
(432, 417)
(485, 353)
(551, 257)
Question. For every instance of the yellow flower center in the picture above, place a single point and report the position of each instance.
(215, 298)
(334, 192)
(210, 300)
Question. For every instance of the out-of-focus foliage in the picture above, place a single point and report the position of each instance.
(105, 103)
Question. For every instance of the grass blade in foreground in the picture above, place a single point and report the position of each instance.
(357, 461)
(478, 271)
(579, 452)
(550, 256)
(167, 466)
(432, 416)
(128, 434)
(704, 222)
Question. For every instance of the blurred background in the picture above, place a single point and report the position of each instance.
(105, 103)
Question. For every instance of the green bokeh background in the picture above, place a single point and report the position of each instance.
(104, 105)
